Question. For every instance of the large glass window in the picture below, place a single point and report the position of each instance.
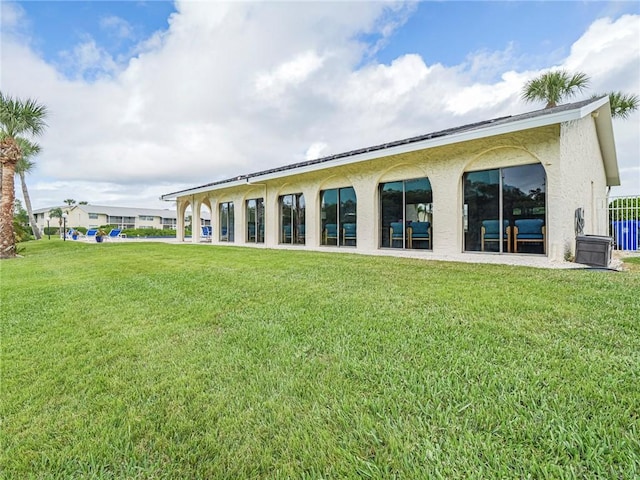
(338, 214)
(292, 221)
(505, 210)
(255, 220)
(406, 210)
(226, 222)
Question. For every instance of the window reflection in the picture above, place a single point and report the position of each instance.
(338, 216)
(406, 214)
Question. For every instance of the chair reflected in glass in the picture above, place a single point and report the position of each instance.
(490, 233)
(419, 232)
(529, 230)
(330, 234)
(348, 234)
(396, 233)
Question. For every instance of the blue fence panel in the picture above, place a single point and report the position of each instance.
(626, 233)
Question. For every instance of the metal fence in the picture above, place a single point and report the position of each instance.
(624, 222)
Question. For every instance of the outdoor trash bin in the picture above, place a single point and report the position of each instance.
(594, 250)
(627, 233)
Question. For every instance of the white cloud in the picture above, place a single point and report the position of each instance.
(11, 15)
(117, 26)
(233, 88)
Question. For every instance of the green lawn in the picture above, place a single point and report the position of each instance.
(148, 360)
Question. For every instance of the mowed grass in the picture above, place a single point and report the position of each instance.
(148, 360)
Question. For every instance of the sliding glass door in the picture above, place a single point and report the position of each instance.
(255, 220)
(505, 210)
(292, 219)
(405, 210)
(338, 214)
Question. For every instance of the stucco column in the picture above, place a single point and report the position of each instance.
(271, 217)
(367, 225)
(196, 224)
(312, 216)
(180, 207)
(446, 228)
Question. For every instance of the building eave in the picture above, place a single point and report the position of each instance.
(491, 128)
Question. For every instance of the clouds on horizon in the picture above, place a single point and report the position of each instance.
(234, 88)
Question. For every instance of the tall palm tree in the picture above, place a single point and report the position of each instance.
(554, 87)
(24, 166)
(17, 118)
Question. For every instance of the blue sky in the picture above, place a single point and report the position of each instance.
(441, 32)
(134, 85)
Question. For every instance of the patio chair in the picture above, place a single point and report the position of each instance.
(419, 232)
(490, 232)
(330, 232)
(91, 234)
(529, 230)
(348, 233)
(206, 232)
(300, 238)
(286, 234)
(114, 234)
(396, 232)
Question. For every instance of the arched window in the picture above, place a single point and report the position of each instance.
(406, 208)
(505, 210)
(292, 221)
(255, 220)
(226, 222)
(338, 215)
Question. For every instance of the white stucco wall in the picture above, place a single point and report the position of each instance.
(581, 181)
(569, 154)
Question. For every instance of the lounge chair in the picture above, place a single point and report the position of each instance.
(206, 233)
(114, 234)
(91, 234)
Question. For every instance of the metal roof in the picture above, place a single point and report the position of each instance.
(486, 128)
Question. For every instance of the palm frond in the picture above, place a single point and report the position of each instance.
(19, 117)
(554, 87)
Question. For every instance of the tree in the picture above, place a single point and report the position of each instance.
(622, 104)
(554, 87)
(17, 118)
(24, 166)
(56, 213)
(69, 201)
(21, 223)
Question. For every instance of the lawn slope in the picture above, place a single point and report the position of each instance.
(147, 360)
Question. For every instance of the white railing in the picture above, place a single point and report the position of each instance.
(624, 222)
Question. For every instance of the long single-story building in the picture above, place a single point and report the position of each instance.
(517, 185)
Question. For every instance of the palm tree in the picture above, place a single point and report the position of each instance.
(554, 87)
(69, 201)
(622, 104)
(17, 118)
(24, 166)
(57, 213)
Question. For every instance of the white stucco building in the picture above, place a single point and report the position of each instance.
(92, 216)
(506, 186)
